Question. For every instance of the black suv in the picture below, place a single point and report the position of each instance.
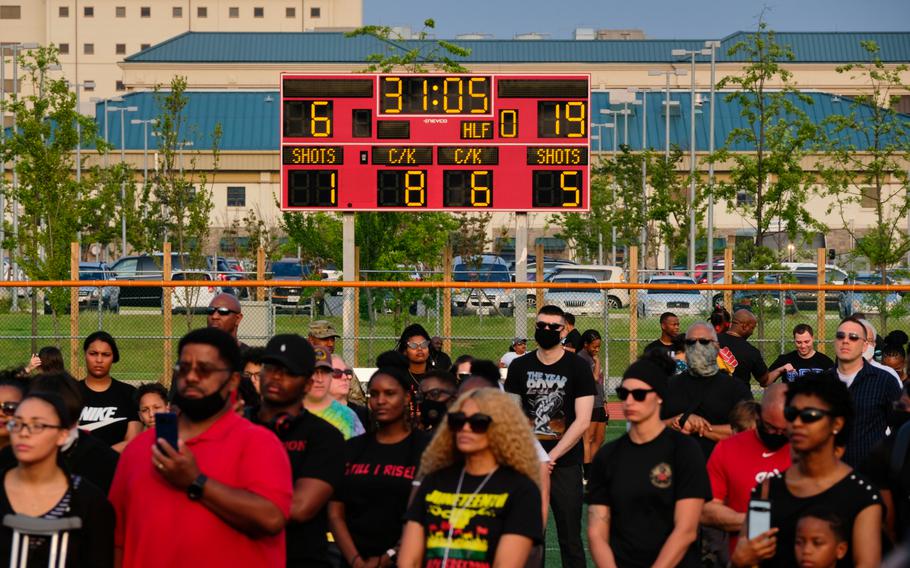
(149, 267)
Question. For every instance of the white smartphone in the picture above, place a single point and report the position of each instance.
(759, 518)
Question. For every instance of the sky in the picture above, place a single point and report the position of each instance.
(659, 19)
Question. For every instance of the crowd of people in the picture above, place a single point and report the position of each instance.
(275, 456)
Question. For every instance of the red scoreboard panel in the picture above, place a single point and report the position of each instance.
(428, 142)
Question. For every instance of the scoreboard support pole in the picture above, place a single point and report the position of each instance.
(349, 309)
(521, 274)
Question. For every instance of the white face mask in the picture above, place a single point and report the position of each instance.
(869, 352)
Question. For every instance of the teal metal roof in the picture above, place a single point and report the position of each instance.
(325, 47)
(250, 120)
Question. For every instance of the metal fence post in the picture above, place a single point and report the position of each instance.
(728, 273)
(167, 296)
(606, 342)
(260, 273)
(633, 303)
(354, 363)
(820, 323)
(538, 269)
(75, 367)
(447, 301)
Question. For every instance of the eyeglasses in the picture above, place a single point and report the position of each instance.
(806, 415)
(551, 326)
(9, 407)
(478, 423)
(251, 376)
(203, 371)
(638, 395)
(854, 337)
(342, 373)
(701, 340)
(437, 394)
(422, 345)
(222, 311)
(15, 426)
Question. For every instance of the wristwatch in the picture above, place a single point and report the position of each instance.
(194, 491)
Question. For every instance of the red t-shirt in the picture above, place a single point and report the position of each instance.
(738, 464)
(158, 525)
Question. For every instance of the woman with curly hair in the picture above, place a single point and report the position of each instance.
(479, 501)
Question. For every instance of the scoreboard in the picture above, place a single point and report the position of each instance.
(430, 142)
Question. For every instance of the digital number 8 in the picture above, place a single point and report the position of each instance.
(570, 186)
(410, 186)
(477, 189)
(320, 126)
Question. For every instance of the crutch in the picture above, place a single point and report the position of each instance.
(57, 530)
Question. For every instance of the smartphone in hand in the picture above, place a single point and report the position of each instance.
(759, 517)
(166, 428)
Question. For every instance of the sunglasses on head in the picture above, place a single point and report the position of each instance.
(9, 407)
(806, 415)
(550, 326)
(422, 345)
(702, 340)
(638, 395)
(854, 337)
(478, 423)
(222, 311)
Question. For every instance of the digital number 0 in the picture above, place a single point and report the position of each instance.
(446, 96)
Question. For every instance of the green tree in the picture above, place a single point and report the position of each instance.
(52, 204)
(864, 157)
(418, 56)
(317, 238)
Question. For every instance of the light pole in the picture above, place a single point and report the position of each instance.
(667, 103)
(145, 145)
(87, 85)
(643, 237)
(713, 45)
(121, 110)
(615, 126)
(106, 101)
(692, 54)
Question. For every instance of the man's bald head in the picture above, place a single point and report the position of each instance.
(772, 406)
(743, 323)
(224, 313)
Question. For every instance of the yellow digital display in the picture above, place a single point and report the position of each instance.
(557, 156)
(562, 119)
(434, 94)
(402, 155)
(468, 155)
(312, 155)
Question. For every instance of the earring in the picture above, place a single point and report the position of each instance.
(836, 431)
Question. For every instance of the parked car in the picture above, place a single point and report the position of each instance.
(577, 301)
(808, 299)
(481, 301)
(656, 301)
(149, 267)
(601, 273)
(869, 303)
(837, 274)
(193, 298)
(108, 297)
(285, 297)
(767, 300)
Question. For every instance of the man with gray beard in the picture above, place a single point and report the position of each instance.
(698, 401)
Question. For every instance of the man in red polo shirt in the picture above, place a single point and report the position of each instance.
(221, 498)
(744, 460)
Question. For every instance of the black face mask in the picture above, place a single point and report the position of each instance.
(199, 409)
(771, 441)
(432, 412)
(546, 338)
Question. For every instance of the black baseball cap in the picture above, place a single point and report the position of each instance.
(292, 352)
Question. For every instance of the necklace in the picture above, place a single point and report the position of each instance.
(458, 510)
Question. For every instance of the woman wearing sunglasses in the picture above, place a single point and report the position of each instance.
(12, 389)
(38, 487)
(366, 513)
(646, 489)
(479, 502)
(819, 413)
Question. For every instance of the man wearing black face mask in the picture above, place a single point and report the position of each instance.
(744, 460)
(436, 394)
(224, 491)
(557, 394)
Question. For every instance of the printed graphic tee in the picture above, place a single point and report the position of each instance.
(107, 414)
(817, 363)
(509, 503)
(342, 418)
(548, 394)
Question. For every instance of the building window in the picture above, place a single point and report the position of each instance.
(290, 12)
(315, 12)
(744, 198)
(870, 198)
(88, 49)
(88, 11)
(10, 12)
(236, 197)
(64, 49)
(145, 12)
(120, 49)
(233, 12)
(258, 12)
(202, 12)
(119, 86)
(144, 46)
(89, 86)
(64, 12)
(177, 11)
(120, 11)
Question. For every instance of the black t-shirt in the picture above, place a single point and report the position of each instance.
(107, 414)
(315, 449)
(817, 363)
(746, 360)
(712, 398)
(375, 490)
(657, 344)
(548, 394)
(509, 503)
(573, 339)
(847, 498)
(641, 484)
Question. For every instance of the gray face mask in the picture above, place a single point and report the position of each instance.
(702, 359)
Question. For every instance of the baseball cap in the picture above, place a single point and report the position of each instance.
(321, 329)
(518, 340)
(292, 352)
(323, 357)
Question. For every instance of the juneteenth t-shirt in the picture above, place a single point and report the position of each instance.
(509, 503)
